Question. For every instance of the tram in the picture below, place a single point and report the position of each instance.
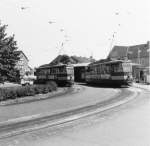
(61, 74)
(111, 72)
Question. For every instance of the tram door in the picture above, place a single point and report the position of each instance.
(141, 75)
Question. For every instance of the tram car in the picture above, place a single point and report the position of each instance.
(110, 72)
(60, 74)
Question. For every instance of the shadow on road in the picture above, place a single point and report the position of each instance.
(103, 85)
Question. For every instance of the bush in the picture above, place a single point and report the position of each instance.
(52, 85)
(20, 92)
(17, 92)
(2, 95)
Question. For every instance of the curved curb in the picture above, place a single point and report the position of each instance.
(141, 87)
(68, 116)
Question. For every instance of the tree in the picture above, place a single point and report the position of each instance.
(8, 56)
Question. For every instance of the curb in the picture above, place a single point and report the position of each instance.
(62, 117)
(140, 86)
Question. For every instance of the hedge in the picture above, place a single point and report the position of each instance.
(17, 92)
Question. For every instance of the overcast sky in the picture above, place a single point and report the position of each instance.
(85, 27)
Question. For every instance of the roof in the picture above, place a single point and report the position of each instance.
(21, 52)
(65, 59)
(80, 59)
(81, 64)
(118, 52)
(57, 65)
(108, 61)
(130, 51)
(143, 48)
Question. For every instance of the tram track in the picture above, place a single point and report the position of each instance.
(11, 129)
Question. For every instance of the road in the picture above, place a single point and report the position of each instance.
(76, 99)
(128, 124)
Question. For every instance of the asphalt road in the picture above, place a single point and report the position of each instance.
(86, 131)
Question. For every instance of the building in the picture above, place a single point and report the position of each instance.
(140, 57)
(79, 71)
(22, 64)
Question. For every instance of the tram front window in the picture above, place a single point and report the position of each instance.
(117, 68)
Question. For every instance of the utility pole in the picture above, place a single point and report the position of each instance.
(127, 53)
(148, 51)
(139, 61)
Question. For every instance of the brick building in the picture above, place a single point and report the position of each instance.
(138, 54)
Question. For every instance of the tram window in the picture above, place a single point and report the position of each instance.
(62, 70)
(92, 70)
(44, 71)
(127, 67)
(107, 69)
(89, 69)
(103, 69)
(57, 70)
(98, 69)
(117, 68)
(70, 70)
(47, 71)
(50, 71)
(95, 69)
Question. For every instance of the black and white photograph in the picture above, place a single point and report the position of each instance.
(74, 73)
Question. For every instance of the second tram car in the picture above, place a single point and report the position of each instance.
(114, 72)
(61, 74)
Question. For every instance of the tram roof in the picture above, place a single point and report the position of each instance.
(58, 65)
(109, 62)
(81, 64)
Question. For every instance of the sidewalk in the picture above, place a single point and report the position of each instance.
(142, 86)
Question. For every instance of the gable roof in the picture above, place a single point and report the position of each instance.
(21, 52)
(64, 59)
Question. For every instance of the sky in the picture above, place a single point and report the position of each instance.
(46, 28)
